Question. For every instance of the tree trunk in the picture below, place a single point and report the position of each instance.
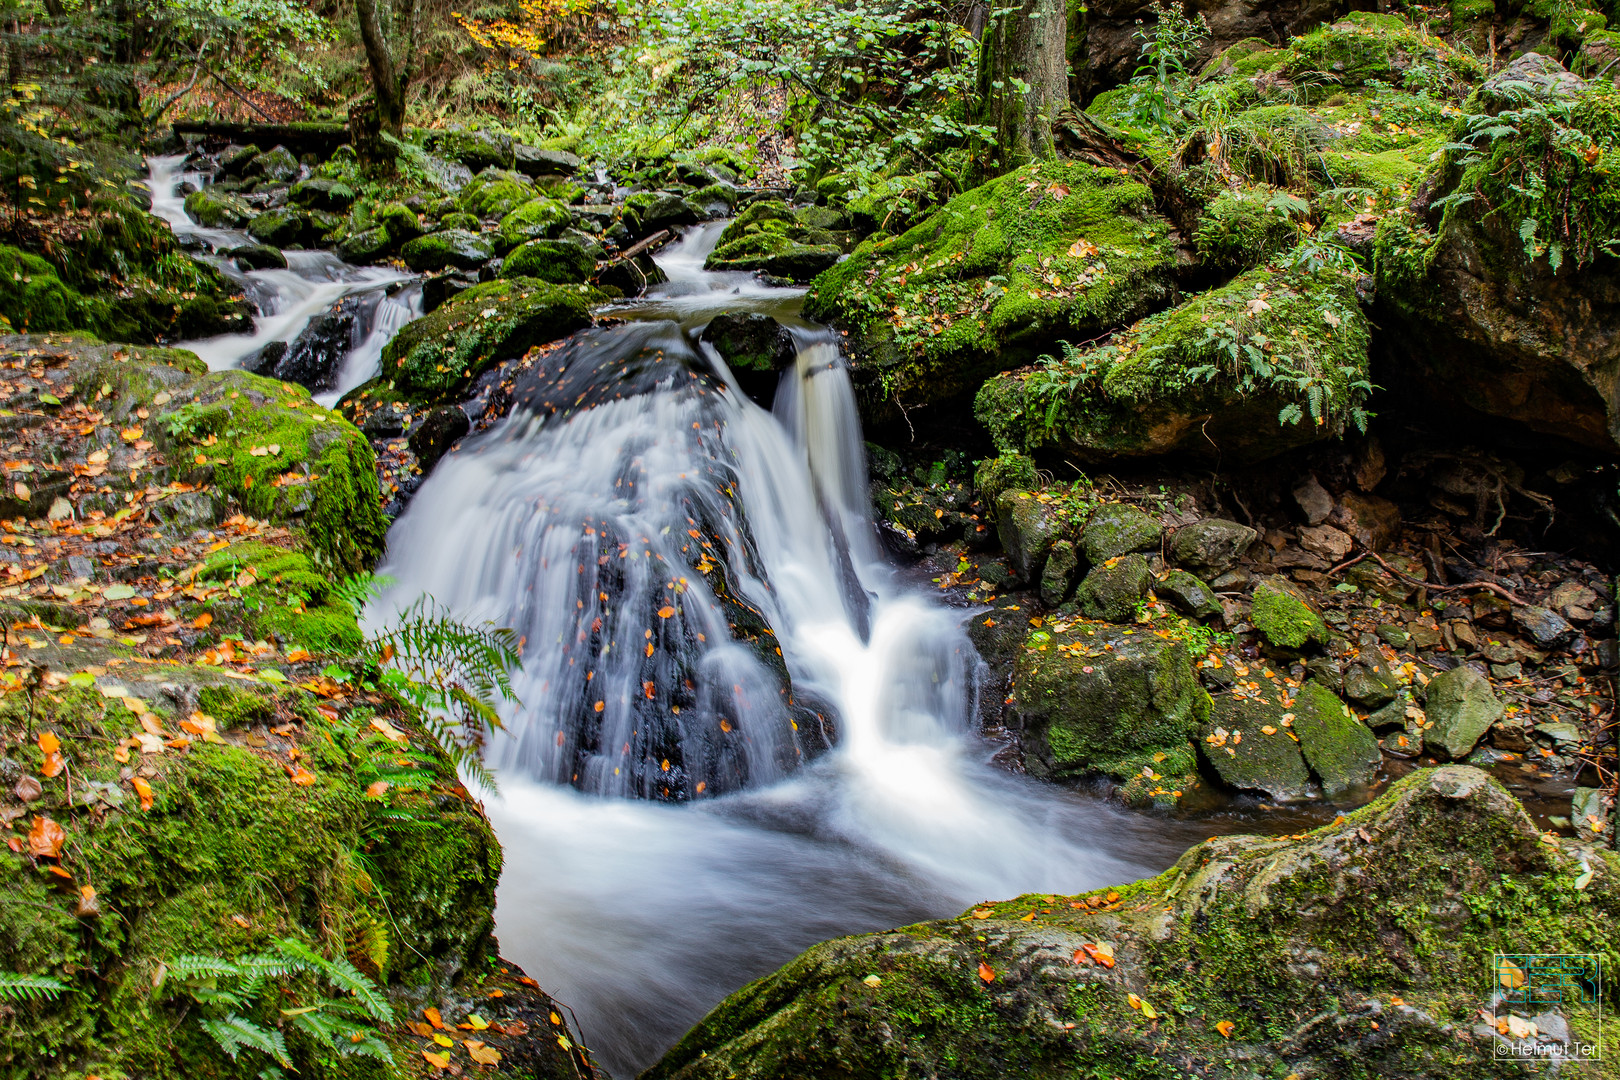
(1024, 79)
(389, 78)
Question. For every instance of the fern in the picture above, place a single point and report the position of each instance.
(14, 987)
(234, 1034)
(343, 975)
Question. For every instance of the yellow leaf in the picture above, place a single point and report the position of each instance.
(1225, 1028)
(1509, 973)
(484, 1055)
(443, 1039)
(1148, 1013)
(438, 1061)
(1133, 1001)
(476, 1022)
(986, 972)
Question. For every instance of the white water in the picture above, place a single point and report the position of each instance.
(286, 299)
(642, 914)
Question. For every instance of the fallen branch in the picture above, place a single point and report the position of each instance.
(639, 247)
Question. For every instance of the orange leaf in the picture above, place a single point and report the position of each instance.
(301, 776)
(295, 655)
(433, 1016)
(438, 1061)
(1101, 952)
(665, 612)
(53, 765)
(46, 838)
(986, 972)
(377, 790)
(1225, 1028)
(416, 1027)
(202, 621)
(59, 872)
(49, 743)
(144, 791)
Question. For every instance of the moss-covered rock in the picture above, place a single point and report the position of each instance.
(1274, 360)
(1088, 696)
(1005, 472)
(33, 298)
(1241, 229)
(1342, 751)
(278, 165)
(285, 227)
(433, 358)
(1249, 744)
(1189, 594)
(333, 196)
(1461, 706)
(645, 212)
(1115, 529)
(556, 261)
(537, 219)
(1285, 616)
(775, 254)
(494, 193)
(478, 150)
(285, 597)
(218, 209)
(1365, 46)
(1027, 527)
(1300, 945)
(367, 246)
(400, 220)
(452, 247)
(1113, 589)
(1211, 546)
(996, 276)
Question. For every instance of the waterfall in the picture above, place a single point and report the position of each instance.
(655, 538)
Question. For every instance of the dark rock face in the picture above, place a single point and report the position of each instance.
(437, 432)
(1249, 949)
(756, 347)
(316, 356)
(533, 161)
(258, 257)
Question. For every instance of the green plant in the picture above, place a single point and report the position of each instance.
(1159, 84)
(14, 987)
(238, 998)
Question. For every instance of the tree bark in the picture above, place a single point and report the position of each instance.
(1024, 79)
(390, 78)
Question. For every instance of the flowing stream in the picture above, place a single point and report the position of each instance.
(287, 301)
(677, 817)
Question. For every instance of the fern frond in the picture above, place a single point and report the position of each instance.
(191, 968)
(15, 987)
(235, 1034)
(343, 975)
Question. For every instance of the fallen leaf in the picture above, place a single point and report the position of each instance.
(46, 838)
(443, 1040)
(1225, 1027)
(143, 791)
(49, 743)
(377, 789)
(1101, 952)
(438, 1061)
(301, 776)
(1257, 305)
(417, 1027)
(983, 913)
(202, 621)
(476, 1022)
(1133, 1001)
(665, 612)
(484, 1055)
(433, 1016)
(986, 972)
(1509, 973)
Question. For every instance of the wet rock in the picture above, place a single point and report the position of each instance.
(1326, 541)
(1247, 745)
(315, 357)
(1313, 500)
(278, 164)
(533, 161)
(439, 288)
(1058, 576)
(654, 210)
(1546, 628)
(1281, 612)
(1005, 472)
(535, 220)
(453, 247)
(258, 257)
(433, 436)
(1570, 597)
(1117, 529)
(630, 276)
(1369, 684)
(1373, 522)
(367, 246)
(556, 261)
(1027, 528)
(1211, 546)
(1116, 695)
(285, 228)
(331, 195)
(751, 341)
(1462, 706)
(1113, 590)
(1188, 594)
(218, 209)
(234, 159)
(477, 150)
(1341, 750)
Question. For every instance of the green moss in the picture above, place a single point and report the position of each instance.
(286, 597)
(32, 297)
(1364, 46)
(994, 276)
(494, 193)
(1006, 472)
(1286, 620)
(400, 221)
(436, 356)
(1342, 751)
(537, 219)
(448, 248)
(1241, 229)
(556, 261)
(217, 210)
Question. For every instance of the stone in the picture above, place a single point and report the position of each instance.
(366, 246)
(1547, 629)
(1373, 522)
(1113, 590)
(278, 164)
(331, 195)
(1572, 595)
(1369, 684)
(477, 150)
(453, 247)
(316, 355)
(655, 210)
(1313, 500)
(1058, 576)
(533, 161)
(284, 228)
(1461, 706)
(258, 257)
(1341, 750)
(1027, 528)
(1247, 745)
(217, 209)
(1087, 705)
(1283, 614)
(534, 220)
(1116, 529)
(556, 261)
(1561, 733)
(1210, 547)
(775, 255)
(1189, 595)
(751, 342)
(433, 436)
(1326, 541)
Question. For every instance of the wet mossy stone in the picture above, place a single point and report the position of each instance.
(289, 600)
(278, 164)
(494, 193)
(1369, 684)
(978, 293)
(1170, 383)
(478, 150)
(556, 261)
(401, 222)
(436, 356)
(774, 254)
(1091, 694)
(452, 247)
(1057, 578)
(1284, 616)
(1461, 706)
(1027, 527)
(436, 433)
(1300, 943)
(750, 341)
(283, 228)
(1211, 546)
(1188, 594)
(258, 257)
(459, 220)
(537, 219)
(367, 246)
(1365, 46)
(655, 210)
(1240, 229)
(33, 298)
(1005, 472)
(1116, 529)
(536, 161)
(1247, 744)
(233, 159)
(217, 209)
(1341, 750)
(1113, 590)
(333, 196)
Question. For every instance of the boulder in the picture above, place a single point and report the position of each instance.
(333, 196)
(217, 209)
(1341, 750)
(556, 261)
(1027, 527)
(1461, 706)
(533, 161)
(477, 150)
(1369, 684)
(494, 193)
(1210, 547)
(278, 165)
(1113, 590)
(258, 257)
(316, 355)
(1005, 472)
(400, 221)
(1116, 529)
(1248, 745)
(367, 246)
(1284, 615)
(1188, 594)
(433, 436)
(285, 228)
(774, 254)
(536, 219)
(654, 210)
(750, 341)
(1057, 578)
(1548, 629)
(452, 247)
(1087, 697)
(1373, 522)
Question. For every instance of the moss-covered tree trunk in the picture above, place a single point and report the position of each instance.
(1024, 78)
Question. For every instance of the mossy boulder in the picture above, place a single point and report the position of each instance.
(367, 246)
(1365, 46)
(435, 357)
(452, 247)
(32, 297)
(775, 254)
(494, 193)
(284, 596)
(1277, 954)
(1113, 589)
(1188, 594)
(1027, 526)
(1461, 706)
(537, 219)
(1287, 618)
(1240, 229)
(478, 150)
(1004, 472)
(218, 209)
(258, 257)
(1188, 379)
(1211, 546)
(556, 261)
(400, 220)
(333, 196)
(1342, 751)
(1249, 744)
(1115, 529)
(646, 212)
(1089, 695)
(285, 228)
(995, 278)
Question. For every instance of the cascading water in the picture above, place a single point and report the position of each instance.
(704, 608)
(287, 300)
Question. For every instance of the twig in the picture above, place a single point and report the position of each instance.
(1347, 564)
(216, 77)
(1432, 587)
(639, 246)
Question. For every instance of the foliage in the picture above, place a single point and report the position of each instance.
(1161, 81)
(236, 997)
(14, 987)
